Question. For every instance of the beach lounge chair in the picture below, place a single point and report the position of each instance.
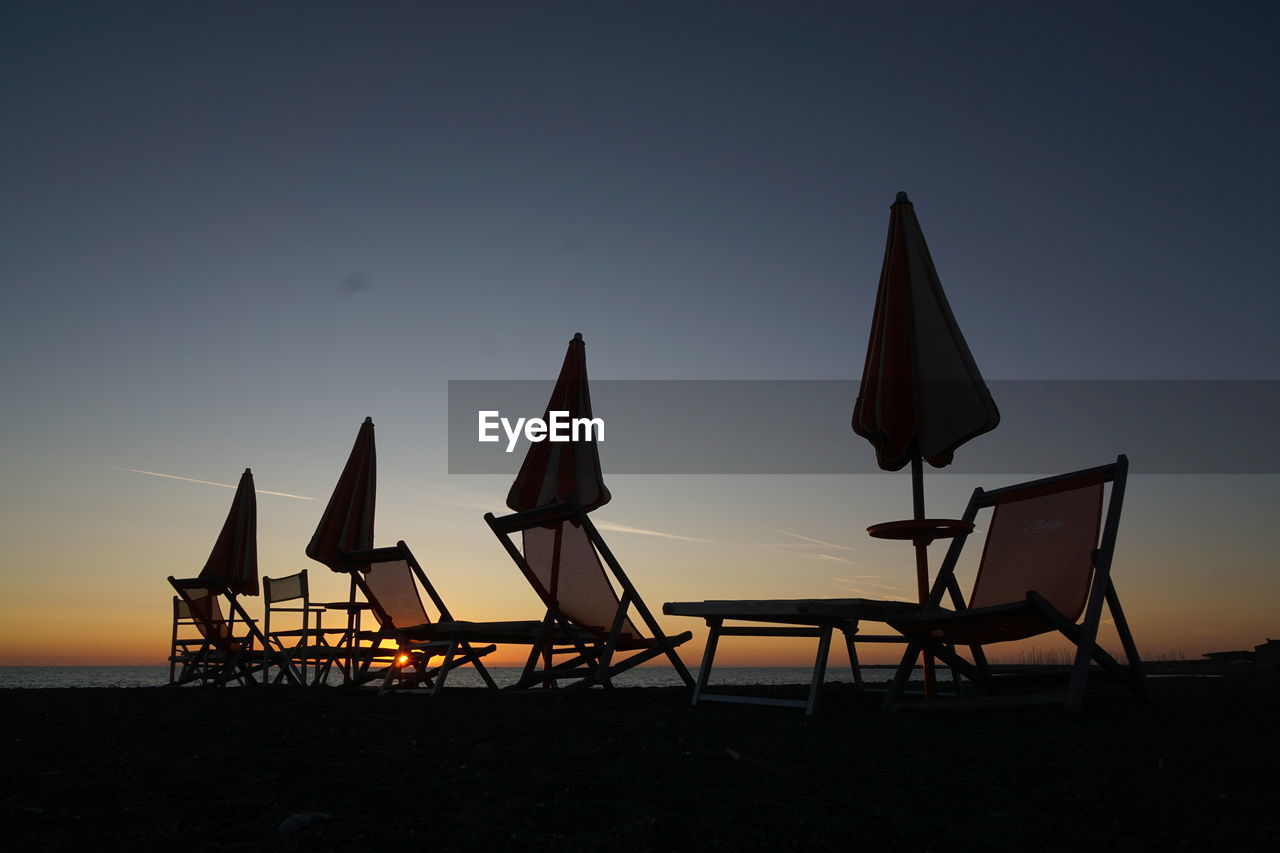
(587, 624)
(806, 617)
(1045, 564)
(223, 655)
(390, 579)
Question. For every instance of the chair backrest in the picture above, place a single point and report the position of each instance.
(567, 569)
(288, 588)
(561, 558)
(1044, 536)
(389, 578)
(205, 612)
(185, 630)
(277, 591)
(185, 635)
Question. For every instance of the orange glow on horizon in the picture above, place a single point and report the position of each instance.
(32, 642)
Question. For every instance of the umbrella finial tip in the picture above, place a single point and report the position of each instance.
(901, 198)
(368, 420)
(248, 470)
(577, 337)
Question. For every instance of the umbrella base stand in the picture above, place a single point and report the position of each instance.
(922, 589)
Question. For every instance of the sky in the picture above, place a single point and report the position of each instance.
(231, 231)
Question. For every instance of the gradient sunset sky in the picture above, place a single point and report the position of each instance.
(230, 231)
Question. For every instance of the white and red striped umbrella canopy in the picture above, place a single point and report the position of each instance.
(556, 471)
(347, 523)
(233, 563)
(921, 391)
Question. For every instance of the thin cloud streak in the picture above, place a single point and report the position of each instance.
(877, 594)
(781, 546)
(614, 527)
(863, 583)
(821, 556)
(814, 541)
(623, 528)
(210, 483)
(450, 495)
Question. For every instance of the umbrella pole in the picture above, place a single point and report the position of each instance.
(922, 563)
(353, 629)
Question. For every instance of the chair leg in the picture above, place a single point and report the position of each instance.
(603, 674)
(1085, 645)
(704, 671)
(444, 668)
(479, 667)
(669, 648)
(902, 675)
(1095, 653)
(947, 654)
(819, 670)
(392, 673)
(851, 645)
(957, 683)
(1137, 677)
(1088, 650)
(546, 641)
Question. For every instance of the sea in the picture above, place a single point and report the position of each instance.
(156, 676)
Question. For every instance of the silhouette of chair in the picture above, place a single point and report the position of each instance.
(221, 656)
(390, 579)
(1045, 564)
(186, 643)
(305, 641)
(587, 622)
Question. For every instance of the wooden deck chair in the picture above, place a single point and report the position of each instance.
(390, 579)
(303, 636)
(186, 645)
(225, 656)
(1045, 564)
(587, 622)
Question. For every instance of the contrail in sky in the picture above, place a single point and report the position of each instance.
(211, 483)
(450, 495)
(623, 528)
(814, 541)
(829, 557)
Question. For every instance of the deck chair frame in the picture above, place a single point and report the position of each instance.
(235, 659)
(414, 644)
(595, 654)
(188, 646)
(308, 645)
(927, 631)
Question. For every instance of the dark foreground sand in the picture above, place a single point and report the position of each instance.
(635, 769)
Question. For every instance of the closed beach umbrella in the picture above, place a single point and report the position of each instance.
(921, 395)
(233, 563)
(555, 471)
(347, 523)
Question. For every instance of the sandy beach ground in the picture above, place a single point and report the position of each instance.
(636, 769)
